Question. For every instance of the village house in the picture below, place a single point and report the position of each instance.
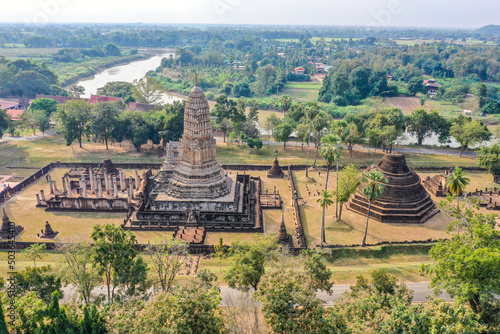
(431, 86)
(300, 70)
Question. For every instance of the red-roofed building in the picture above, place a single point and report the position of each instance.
(9, 105)
(300, 70)
(59, 99)
(15, 114)
(97, 98)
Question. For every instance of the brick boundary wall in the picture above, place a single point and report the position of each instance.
(299, 230)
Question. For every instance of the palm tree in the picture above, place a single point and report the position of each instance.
(324, 201)
(312, 110)
(374, 182)
(331, 150)
(456, 182)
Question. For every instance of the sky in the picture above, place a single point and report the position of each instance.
(376, 13)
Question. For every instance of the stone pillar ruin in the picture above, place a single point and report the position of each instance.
(68, 184)
(99, 187)
(129, 191)
(131, 187)
(106, 180)
(42, 194)
(137, 180)
(51, 186)
(115, 188)
(65, 186)
(92, 184)
(38, 200)
(122, 181)
(55, 186)
(83, 187)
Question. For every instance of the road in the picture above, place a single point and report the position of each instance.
(421, 291)
(398, 149)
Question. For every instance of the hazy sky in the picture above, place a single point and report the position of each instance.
(385, 13)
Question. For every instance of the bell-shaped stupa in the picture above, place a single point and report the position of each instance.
(404, 199)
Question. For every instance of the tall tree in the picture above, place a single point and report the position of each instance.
(465, 265)
(347, 185)
(324, 201)
(457, 182)
(312, 110)
(423, 124)
(113, 254)
(489, 157)
(248, 263)
(5, 122)
(167, 255)
(75, 118)
(331, 150)
(104, 116)
(47, 105)
(78, 269)
(468, 132)
(35, 252)
(147, 90)
(374, 185)
(285, 103)
(282, 133)
(415, 85)
(320, 123)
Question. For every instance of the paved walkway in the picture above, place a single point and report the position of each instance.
(28, 138)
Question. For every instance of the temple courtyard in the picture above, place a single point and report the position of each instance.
(23, 211)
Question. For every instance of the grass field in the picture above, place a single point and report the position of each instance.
(43, 151)
(302, 91)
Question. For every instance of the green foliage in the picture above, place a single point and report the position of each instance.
(167, 255)
(5, 122)
(117, 89)
(457, 181)
(146, 90)
(348, 183)
(465, 265)
(248, 262)
(103, 118)
(3, 324)
(47, 105)
(315, 269)
(35, 252)
(115, 258)
(193, 308)
(51, 319)
(373, 187)
(289, 305)
(41, 280)
(423, 124)
(282, 133)
(75, 118)
(468, 132)
(78, 269)
(415, 85)
(489, 157)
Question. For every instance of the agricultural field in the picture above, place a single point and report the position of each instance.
(302, 91)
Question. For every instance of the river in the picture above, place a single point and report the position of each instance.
(128, 73)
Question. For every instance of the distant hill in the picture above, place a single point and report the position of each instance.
(489, 30)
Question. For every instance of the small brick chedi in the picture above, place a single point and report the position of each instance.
(404, 199)
(191, 188)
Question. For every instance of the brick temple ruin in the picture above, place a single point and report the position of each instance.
(103, 189)
(436, 185)
(404, 199)
(192, 190)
